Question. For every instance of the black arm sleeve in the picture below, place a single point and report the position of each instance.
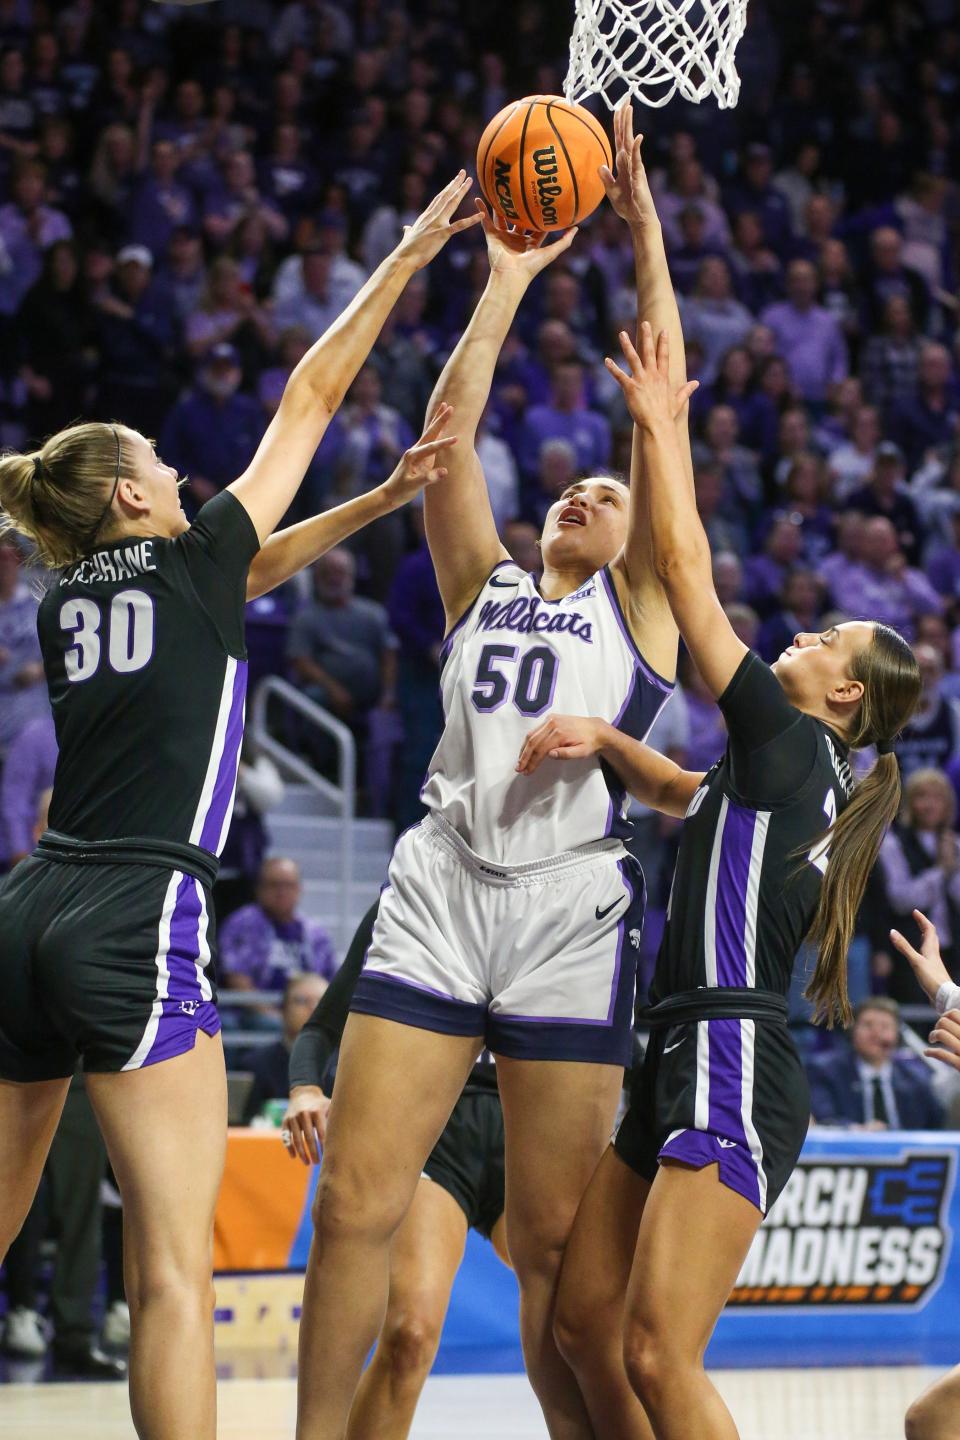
(321, 1034)
(773, 745)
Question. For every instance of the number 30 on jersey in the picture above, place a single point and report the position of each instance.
(126, 629)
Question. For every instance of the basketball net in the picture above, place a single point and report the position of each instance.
(655, 49)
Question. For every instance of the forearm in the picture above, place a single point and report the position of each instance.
(657, 302)
(330, 366)
(647, 775)
(681, 550)
(466, 378)
(288, 551)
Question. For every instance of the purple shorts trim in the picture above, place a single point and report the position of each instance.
(590, 1042)
(699, 1149)
(410, 1004)
(179, 1023)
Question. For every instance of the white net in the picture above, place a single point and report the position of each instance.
(656, 49)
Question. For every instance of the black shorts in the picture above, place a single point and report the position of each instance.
(111, 963)
(727, 1092)
(467, 1160)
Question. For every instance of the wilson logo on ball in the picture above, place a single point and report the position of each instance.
(548, 191)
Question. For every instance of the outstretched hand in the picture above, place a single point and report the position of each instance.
(428, 234)
(627, 187)
(515, 251)
(418, 466)
(650, 397)
(926, 963)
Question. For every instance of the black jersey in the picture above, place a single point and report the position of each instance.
(749, 867)
(315, 1047)
(143, 647)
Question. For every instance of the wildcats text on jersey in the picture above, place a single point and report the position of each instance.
(120, 564)
(854, 1232)
(526, 614)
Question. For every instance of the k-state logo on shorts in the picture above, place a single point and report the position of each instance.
(854, 1231)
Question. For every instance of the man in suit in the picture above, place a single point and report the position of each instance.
(870, 1086)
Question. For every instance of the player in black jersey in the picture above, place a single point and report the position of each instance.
(777, 843)
(462, 1187)
(106, 932)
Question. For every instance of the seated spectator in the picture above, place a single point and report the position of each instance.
(714, 316)
(184, 271)
(754, 190)
(727, 577)
(499, 471)
(868, 1085)
(270, 1063)
(340, 646)
(325, 467)
(886, 494)
(557, 468)
(931, 738)
(27, 227)
(794, 438)
(289, 179)
(757, 273)
(376, 434)
(566, 416)
(344, 277)
(263, 944)
(721, 516)
(766, 573)
(852, 463)
(23, 693)
(920, 870)
(228, 313)
(839, 293)
(161, 202)
(212, 433)
(929, 418)
(58, 337)
(800, 613)
(849, 539)
(521, 541)
(805, 495)
(887, 276)
(890, 359)
(137, 337)
(942, 557)
(27, 775)
(720, 446)
(882, 584)
(807, 335)
(236, 196)
(688, 186)
(688, 257)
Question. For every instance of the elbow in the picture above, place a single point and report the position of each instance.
(681, 565)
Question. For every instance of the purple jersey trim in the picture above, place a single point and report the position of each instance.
(667, 686)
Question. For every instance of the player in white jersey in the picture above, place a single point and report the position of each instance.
(512, 913)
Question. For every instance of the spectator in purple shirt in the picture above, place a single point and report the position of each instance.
(807, 335)
(23, 694)
(566, 417)
(27, 773)
(931, 417)
(27, 227)
(212, 433)
(161, 202)
(755, 191)
(263, 943)
(714, 316)
(885, 494)
(237, 196)
(883, 584)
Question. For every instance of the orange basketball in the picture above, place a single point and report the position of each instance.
(537, 162)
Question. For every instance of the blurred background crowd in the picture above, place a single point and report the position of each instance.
(189, 197)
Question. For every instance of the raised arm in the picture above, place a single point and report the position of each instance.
(647, 775)
(635, 575)
(460, 527)
(289, 551)
(681, 551)
(318, 384)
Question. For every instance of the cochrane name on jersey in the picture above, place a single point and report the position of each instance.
(526, 614)
(112, 565)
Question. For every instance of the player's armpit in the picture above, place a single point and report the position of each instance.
(646, 613)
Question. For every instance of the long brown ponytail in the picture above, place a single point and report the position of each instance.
(59, 495)
(891, 688)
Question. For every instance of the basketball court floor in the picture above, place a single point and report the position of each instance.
(865, 1404)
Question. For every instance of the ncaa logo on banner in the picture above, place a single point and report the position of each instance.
(854, 1232)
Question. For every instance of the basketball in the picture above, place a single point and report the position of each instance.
(537, 162)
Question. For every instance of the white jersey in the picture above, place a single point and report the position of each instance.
(513, 658)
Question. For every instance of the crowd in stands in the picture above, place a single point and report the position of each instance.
(189, 197)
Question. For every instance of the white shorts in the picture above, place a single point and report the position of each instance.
(539, 959)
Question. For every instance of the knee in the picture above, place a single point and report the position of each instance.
(537, 1248)
(350, 1203)
(577, 1329)
(174, 1283)
(646, 1361)
(408, 1345)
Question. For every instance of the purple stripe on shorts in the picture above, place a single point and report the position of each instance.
(226, 781)
(184, 1011)
(725, 1052)
(696, 1148)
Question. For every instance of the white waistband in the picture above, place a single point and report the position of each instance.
(532, 872)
